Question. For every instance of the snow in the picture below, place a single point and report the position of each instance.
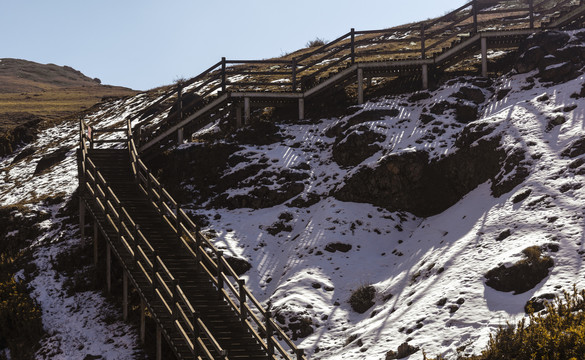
(412, 262)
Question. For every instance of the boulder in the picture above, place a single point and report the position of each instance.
(357, 146)
(558, 72)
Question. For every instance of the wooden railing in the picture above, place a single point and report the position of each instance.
(164, 287)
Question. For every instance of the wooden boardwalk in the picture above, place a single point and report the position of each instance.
(198, 303)
(239, 85)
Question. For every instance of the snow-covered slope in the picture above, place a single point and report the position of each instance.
(308, 256)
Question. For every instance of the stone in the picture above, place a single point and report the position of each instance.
(357, 146)
(558, 72)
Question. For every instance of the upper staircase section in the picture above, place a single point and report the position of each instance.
(387, 52)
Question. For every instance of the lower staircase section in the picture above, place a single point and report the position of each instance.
(174, 273)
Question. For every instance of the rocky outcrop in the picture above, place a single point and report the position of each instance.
(409, 181)
(552, 54)
(357, 146)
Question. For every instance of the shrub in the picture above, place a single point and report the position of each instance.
(21, 325)
(558, 333)
(362, 298)
(316, 42)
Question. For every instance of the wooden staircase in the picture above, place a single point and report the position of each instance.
(201, 307)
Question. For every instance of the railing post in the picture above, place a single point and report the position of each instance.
(243, 314)
(175, 297)
(352, 46)
(294, 74)
(300, 354)
(178, 222)
(220, 273)
(269, 332)
(223, 78)
(195, 320)
(531, 10)
(154, 271)
(474, 10)
(423, 50)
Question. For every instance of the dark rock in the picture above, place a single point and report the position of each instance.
(530, 59)
(556, 121)
(357, 146)
(304, 201)
(26, 152)
(504, 235)
(521, 276)
(408, 182)
(341, 247)
(420, 95)
(502, 93)
(440, 107)
(538, 303)
(278, 227)
(521, 196)
(258, 133)
(466, 112)
(426, 118)
(301, 327)
(515, 169)
(442, 302)
(362, 117)
(558, 72)
(575, 149)
(239, 265)
(22, 128)
(50, 160)
(403, 351)
(470, 94)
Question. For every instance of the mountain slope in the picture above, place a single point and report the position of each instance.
(32, 93)
(273, 195)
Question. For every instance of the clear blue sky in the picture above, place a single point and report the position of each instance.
(145, 43)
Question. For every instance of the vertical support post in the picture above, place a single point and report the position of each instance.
(243, 314)
(294, 75)
(82, 220)
(300, 354)
(484, 60)
(238, 115)
(360, 84)
(195, 320)
(223, 82)
(125, 295)
(246, 110)
(269, 332)
(158, 342)
(425, 76)
(423, 49)
(531, 10)
(95, 243)
(352, 46)
(108, 268)
(474, 10)
(142, 321)
(180, 136)
(301, 109)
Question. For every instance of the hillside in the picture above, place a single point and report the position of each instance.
(32, 93)
(402, 197)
